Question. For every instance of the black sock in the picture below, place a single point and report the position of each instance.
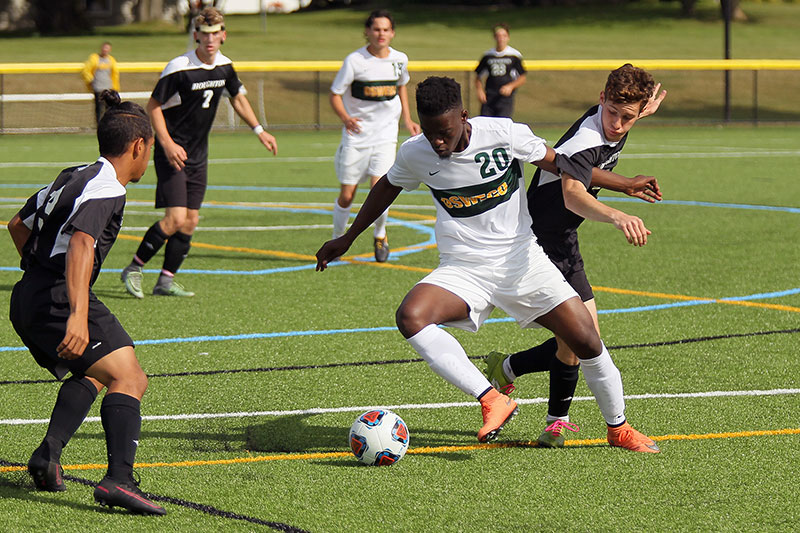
(122, 423)
(536, 359)
(75, 398)
(563, 380)
(151, 243)
(176, 251)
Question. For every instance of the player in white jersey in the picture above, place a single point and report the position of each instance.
(488, 255)
(369, 95)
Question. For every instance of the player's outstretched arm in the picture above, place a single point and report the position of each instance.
(653, 102)
(19, 233)
(242, 107)
(548, 162)
(578, 200)
(642, 187)
(379, 199)
(174, 152)
(80, 259)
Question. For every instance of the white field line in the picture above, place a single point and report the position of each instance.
(361, 408)
(269, 228)
(325, 159)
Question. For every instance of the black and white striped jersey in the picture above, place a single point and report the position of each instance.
(581, 148)
(189, 92)
(88, 199)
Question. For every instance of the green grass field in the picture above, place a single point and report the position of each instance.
(255, 381)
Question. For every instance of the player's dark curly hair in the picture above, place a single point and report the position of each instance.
(378, 14)
(628, 85)
(438, 95)
(122, 123)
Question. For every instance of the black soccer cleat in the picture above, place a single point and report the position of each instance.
(47, 475)
(127, 495)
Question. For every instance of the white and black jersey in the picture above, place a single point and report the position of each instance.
(581, 148)
(189, 92)
(88, 199)
(500, 68)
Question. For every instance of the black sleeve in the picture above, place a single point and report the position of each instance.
(30, 207)
(232, 83)
(518, 65)
(167, 86)
(579, 165)
(481, 65)
(92, 216)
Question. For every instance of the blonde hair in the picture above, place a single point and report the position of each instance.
(209, 16)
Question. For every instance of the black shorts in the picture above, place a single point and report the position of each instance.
(39, 313)
(498, 106)
(180, 188)
(564, 252)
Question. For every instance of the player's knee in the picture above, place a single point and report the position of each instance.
(410, 320)
(346, 199)
(586, 342)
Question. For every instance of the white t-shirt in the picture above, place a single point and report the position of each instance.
(368, 86)
(481, 206)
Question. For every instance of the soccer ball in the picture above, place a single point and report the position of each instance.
(379, 437)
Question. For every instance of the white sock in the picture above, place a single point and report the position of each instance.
(605, 382)
(510, 375)
(380, 225)
(549, 419)
(340, 217)
(448, 359)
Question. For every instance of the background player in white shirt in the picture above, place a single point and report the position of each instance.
(369, 95)
(488, 255)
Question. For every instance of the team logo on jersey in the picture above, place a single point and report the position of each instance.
(478, 199)
(374, 90)
(611, 162)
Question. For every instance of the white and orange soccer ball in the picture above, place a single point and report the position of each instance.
(379, 437)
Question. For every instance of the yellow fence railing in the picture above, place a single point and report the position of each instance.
(435, 66)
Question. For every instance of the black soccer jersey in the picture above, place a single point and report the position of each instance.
(88, 199)
(189, 91)
(500, 68)
(581, 148)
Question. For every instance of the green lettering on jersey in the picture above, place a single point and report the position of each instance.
(478, 199)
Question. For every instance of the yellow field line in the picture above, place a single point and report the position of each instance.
(691, 298)
(424, 450)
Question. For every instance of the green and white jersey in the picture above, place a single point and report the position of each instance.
(368, 86)
(481, 207)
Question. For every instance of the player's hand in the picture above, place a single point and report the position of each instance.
(506, 90)
(645, 188)
(352, 125)
(633, 228)
(481, 95)
(269, 142)
(653, 102)
(176, 155)
(76, 338)
(330, 251)
(413, 128)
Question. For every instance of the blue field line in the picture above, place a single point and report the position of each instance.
(307, 333)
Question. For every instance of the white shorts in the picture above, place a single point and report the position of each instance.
(526, 286)
(355, 165)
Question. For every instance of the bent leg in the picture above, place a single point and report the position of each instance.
(120, 412)
(572, 322)
(341, 209)
(422, 310)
